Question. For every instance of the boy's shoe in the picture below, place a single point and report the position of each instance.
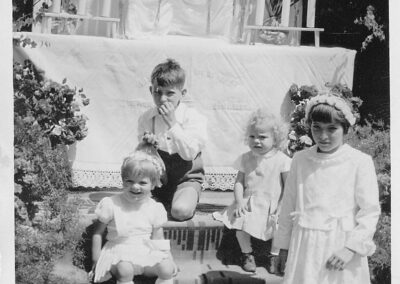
(272, 264)
(248, 262)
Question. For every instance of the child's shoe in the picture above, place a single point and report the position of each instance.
(248, 262)
(272, 263)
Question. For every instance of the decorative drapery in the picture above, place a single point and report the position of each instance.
(225, 82)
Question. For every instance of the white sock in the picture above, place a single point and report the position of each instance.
(274, 251)
(244, 241)
(164, 281)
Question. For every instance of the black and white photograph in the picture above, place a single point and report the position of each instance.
(198, 142)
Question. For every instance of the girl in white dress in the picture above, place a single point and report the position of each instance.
(135, 241)
(258, 186)
(330, 205)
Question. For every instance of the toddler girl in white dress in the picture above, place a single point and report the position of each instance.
(135, 240)
(330, 205)
(258, 186)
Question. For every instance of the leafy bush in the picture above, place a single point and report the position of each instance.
(372, 138)
(54, 107)
(46, 121)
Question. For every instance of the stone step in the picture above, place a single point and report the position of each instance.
(204, 250)
(211, 271)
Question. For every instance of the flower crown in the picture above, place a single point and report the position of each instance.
(141, 155)
(333, 100)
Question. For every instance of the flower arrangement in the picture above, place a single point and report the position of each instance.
(300, 135)
(370, 22)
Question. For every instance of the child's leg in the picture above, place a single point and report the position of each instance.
(272, 258)
(244, 241)
(164, 270)
(185, 200)
(248, 262)
(123, 272)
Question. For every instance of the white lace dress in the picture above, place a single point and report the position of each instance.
(128, 237)
(262, 192)
(330, 201)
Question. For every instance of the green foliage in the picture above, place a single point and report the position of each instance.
(24, 18)
(54, 107)
(46, 121)
(371, 24)
(380, 261)
(38, 247)
(374, 139)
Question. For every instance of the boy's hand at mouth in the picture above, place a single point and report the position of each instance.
(167, 112)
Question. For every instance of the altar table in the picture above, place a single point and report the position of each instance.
(225, 82)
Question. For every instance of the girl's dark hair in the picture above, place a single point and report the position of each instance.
(328, 114)
(168, 73)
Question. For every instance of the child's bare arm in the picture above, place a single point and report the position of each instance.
(238, 191)
(97, 240)
(157, 234)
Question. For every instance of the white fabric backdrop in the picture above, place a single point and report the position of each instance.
(224, 81)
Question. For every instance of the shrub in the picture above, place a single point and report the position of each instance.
(46, 121)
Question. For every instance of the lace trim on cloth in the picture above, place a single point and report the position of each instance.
(216, 178)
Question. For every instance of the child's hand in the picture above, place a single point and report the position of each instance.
(339, 259)
(241, 209)
(91, 273)
(167, 111)
(281, 262)
(150, 138)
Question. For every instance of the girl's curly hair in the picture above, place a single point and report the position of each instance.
(262, 117)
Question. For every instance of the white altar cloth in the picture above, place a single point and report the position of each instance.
(225, 82)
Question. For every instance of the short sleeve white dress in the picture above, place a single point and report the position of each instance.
(330, 201)
(129, 230)
(262, 191)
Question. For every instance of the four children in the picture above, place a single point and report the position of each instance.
(327, 216)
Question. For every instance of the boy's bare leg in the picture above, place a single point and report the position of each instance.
(185, 200)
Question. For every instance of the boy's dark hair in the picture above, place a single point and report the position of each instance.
(168, 73)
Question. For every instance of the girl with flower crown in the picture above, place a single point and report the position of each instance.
(330, 205)
(135, 240)
(258, 187)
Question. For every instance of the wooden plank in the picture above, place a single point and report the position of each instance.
(284, 28)
(73, 16)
